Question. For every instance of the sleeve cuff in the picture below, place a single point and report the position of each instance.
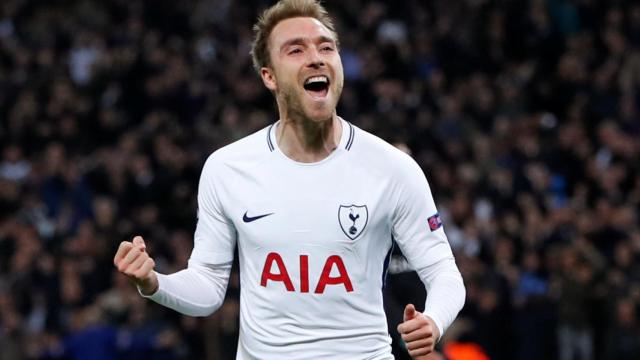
(156, 294)
(437, 322)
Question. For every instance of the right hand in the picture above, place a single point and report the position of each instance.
(132, 260)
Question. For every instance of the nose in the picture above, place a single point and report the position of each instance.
(315, 61)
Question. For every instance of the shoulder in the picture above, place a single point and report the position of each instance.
(251, 149)
(379, 153)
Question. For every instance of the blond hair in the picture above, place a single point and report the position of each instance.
(284, 9)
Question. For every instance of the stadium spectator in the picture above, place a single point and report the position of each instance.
(525, 117)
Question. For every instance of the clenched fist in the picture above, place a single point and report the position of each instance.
(419, 333)
(132, 260)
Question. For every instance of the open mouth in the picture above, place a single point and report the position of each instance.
(317, 86)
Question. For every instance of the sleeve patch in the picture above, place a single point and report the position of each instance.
(434, 222)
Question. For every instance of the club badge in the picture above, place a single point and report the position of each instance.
(353, 219)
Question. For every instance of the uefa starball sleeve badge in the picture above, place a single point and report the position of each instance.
(435, 222)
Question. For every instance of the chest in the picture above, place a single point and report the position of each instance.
(310, 208)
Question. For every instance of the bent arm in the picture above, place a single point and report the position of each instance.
(445, 292)
(197, 290)
(419, 232)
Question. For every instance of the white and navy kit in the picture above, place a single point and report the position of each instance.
(313, 242)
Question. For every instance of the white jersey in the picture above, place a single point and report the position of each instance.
(314, 240)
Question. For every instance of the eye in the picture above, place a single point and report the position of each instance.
(326, 48)
(295, 51)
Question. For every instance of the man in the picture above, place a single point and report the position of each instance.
(312, 203)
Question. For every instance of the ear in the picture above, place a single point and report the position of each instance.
(268, 78)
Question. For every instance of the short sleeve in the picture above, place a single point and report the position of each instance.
(215, 235)
(416, 224)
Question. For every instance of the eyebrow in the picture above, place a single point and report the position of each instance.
(301, 40)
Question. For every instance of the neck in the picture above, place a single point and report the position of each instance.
(308, 141)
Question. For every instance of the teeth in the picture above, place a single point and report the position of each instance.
(323, 79)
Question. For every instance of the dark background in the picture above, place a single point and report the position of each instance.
(524, 115)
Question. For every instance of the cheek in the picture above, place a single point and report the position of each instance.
(286, 87)
(339, 82)
(340, 78)
(286, 80)
(339, 74)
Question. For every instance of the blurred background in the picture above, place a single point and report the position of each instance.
(524, 115)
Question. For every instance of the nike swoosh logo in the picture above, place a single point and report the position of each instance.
(249, 219)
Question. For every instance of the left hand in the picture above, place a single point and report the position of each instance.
(419, 333)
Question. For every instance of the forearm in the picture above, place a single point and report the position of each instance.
(445, 292)
(196, 291)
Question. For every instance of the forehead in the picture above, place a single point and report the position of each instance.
(298, 27)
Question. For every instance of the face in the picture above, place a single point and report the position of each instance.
(306, 70)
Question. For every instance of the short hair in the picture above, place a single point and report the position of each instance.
(284, 9)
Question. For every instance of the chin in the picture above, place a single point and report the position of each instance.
(320, 115)
(320, 111)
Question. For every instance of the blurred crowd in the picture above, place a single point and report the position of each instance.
(524, 115)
